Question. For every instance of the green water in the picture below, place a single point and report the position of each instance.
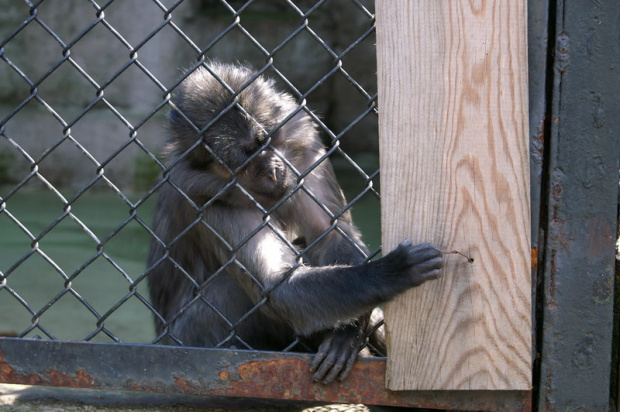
(85, 281)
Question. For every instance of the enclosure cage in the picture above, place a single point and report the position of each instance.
(86, 88)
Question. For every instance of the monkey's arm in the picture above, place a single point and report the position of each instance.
(318, 298)
(313, 299)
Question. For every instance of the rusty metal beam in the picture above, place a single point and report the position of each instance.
(582, 199)
(212, 372)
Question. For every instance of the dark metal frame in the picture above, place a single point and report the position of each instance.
(579, 213)
(219, 372)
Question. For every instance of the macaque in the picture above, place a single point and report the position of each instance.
(252, 247)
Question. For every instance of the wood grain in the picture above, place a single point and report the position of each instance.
(454, 172)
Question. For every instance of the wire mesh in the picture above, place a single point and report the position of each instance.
(87, 86)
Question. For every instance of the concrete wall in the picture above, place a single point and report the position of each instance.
(69, 36)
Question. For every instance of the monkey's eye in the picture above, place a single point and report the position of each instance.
(253, 147)
(250, 151)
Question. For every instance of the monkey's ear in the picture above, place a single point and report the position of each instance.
(182, 118)
(175, 117)
(182, 129)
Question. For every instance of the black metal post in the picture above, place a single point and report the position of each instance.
(582, 195)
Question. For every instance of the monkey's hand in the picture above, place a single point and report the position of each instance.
(414, 265)
(337, 354)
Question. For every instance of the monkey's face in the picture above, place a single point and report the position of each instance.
(249, 149)
(256, 138)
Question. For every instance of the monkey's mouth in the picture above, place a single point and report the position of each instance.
(276, 173)
(268, 183)
(273, 181)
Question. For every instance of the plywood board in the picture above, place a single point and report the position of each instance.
(454, 172)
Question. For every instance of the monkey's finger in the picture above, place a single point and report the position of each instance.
(316, 361)
(425, 251)
(432, 274)
(420, 278)
(429, 265)
(321, 354)
(349, 366)
(406, 243)
(335, 371)
(344, 363)
(324, 368)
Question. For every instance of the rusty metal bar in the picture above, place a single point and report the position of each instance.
(538, 77)
(538, 21)
(582, 200)
(213, 372)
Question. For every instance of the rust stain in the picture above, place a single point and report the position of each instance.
(534, 259)
(224, 375)
(557, 191)
(81, 380)
(185, 385)
(290, 379)
(133, 386)
(159, 387)
(51, 378)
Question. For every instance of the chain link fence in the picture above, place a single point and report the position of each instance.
(85, 88)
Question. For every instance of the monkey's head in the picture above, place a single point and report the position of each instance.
(234, 125)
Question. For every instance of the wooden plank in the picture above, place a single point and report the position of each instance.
(454, 171)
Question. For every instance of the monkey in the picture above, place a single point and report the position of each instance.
(252, 245)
